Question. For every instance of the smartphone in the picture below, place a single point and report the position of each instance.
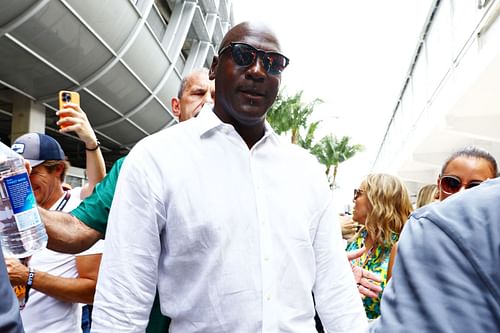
(67, 97)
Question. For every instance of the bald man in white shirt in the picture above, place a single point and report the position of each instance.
(235, 225)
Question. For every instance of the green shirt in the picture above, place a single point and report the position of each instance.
(94, 212)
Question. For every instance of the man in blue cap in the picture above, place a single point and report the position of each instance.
(59, 281)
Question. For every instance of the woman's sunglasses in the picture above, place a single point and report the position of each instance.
(453, 184)
(357, 193)
(246, 55)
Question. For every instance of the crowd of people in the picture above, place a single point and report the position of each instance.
(219, 225)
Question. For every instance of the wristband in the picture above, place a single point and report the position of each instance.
(29, 284)
(97, 145)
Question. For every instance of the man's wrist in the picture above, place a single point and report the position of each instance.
(29, 283)
(31, 277)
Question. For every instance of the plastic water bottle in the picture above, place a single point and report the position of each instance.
(21, 229)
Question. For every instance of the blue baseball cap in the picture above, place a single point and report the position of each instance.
(38, 148)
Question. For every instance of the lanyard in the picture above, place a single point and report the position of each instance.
(31, 273)
(64, 201)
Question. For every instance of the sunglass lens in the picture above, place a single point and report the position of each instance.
(473, 184)
(244, 55)
(275, 63)
(450, 184)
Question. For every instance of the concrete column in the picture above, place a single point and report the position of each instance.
(199, 49)
(191, 59)
(178, 27)
(27, 116)
(202, 55)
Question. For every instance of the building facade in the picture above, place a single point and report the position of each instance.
(449, 98)
(126, 59)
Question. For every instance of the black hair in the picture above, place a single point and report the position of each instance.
(474, 152)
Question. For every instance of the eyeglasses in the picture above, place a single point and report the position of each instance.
(246, 55)
(453, 184)
(357, 193)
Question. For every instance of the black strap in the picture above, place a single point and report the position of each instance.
(29, 284)
(64, 201)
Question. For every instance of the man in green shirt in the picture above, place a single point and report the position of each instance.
(76, 231)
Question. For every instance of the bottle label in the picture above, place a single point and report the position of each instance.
(22, 200)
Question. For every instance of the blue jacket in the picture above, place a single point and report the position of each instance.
(446, 276)
(10, 320)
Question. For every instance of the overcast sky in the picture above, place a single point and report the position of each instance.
(354, 55)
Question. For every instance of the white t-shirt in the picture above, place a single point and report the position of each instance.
(43, 313)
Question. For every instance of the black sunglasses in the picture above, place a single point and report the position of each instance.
(357, 193)
(453, 184)
(246, 55)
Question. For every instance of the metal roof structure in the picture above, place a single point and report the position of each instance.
(126, 58)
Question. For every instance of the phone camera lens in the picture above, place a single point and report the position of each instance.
(66, 97)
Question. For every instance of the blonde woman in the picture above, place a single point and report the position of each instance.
(382, 206)
(427, 194)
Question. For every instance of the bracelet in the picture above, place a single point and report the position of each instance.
(29, 284)
(97, 145)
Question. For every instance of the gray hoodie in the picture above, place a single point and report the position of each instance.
(10, 321)
(446, 276)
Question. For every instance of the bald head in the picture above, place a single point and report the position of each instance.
(196, 89)
(253, 32)
(247, 74)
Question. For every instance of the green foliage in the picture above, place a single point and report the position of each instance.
(307, 141)
(330, 151)
(290, 114)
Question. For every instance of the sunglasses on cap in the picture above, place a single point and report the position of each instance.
(453, 184)
(246, 55)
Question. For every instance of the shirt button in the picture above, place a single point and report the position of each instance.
(266, 258)
(268, 297)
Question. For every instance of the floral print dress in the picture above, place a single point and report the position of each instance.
(377, 261)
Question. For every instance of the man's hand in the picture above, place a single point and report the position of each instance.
(27, 165)
(365, 279)
(18, 273)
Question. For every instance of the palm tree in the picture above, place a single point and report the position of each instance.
(307, 141)
(330, 151)
(290, 114)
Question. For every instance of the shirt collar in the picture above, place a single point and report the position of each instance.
(207, 120)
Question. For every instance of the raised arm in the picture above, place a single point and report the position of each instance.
(76, 120)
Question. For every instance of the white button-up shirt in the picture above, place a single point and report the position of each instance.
(236, 239)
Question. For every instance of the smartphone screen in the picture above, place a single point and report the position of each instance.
(67, 97)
